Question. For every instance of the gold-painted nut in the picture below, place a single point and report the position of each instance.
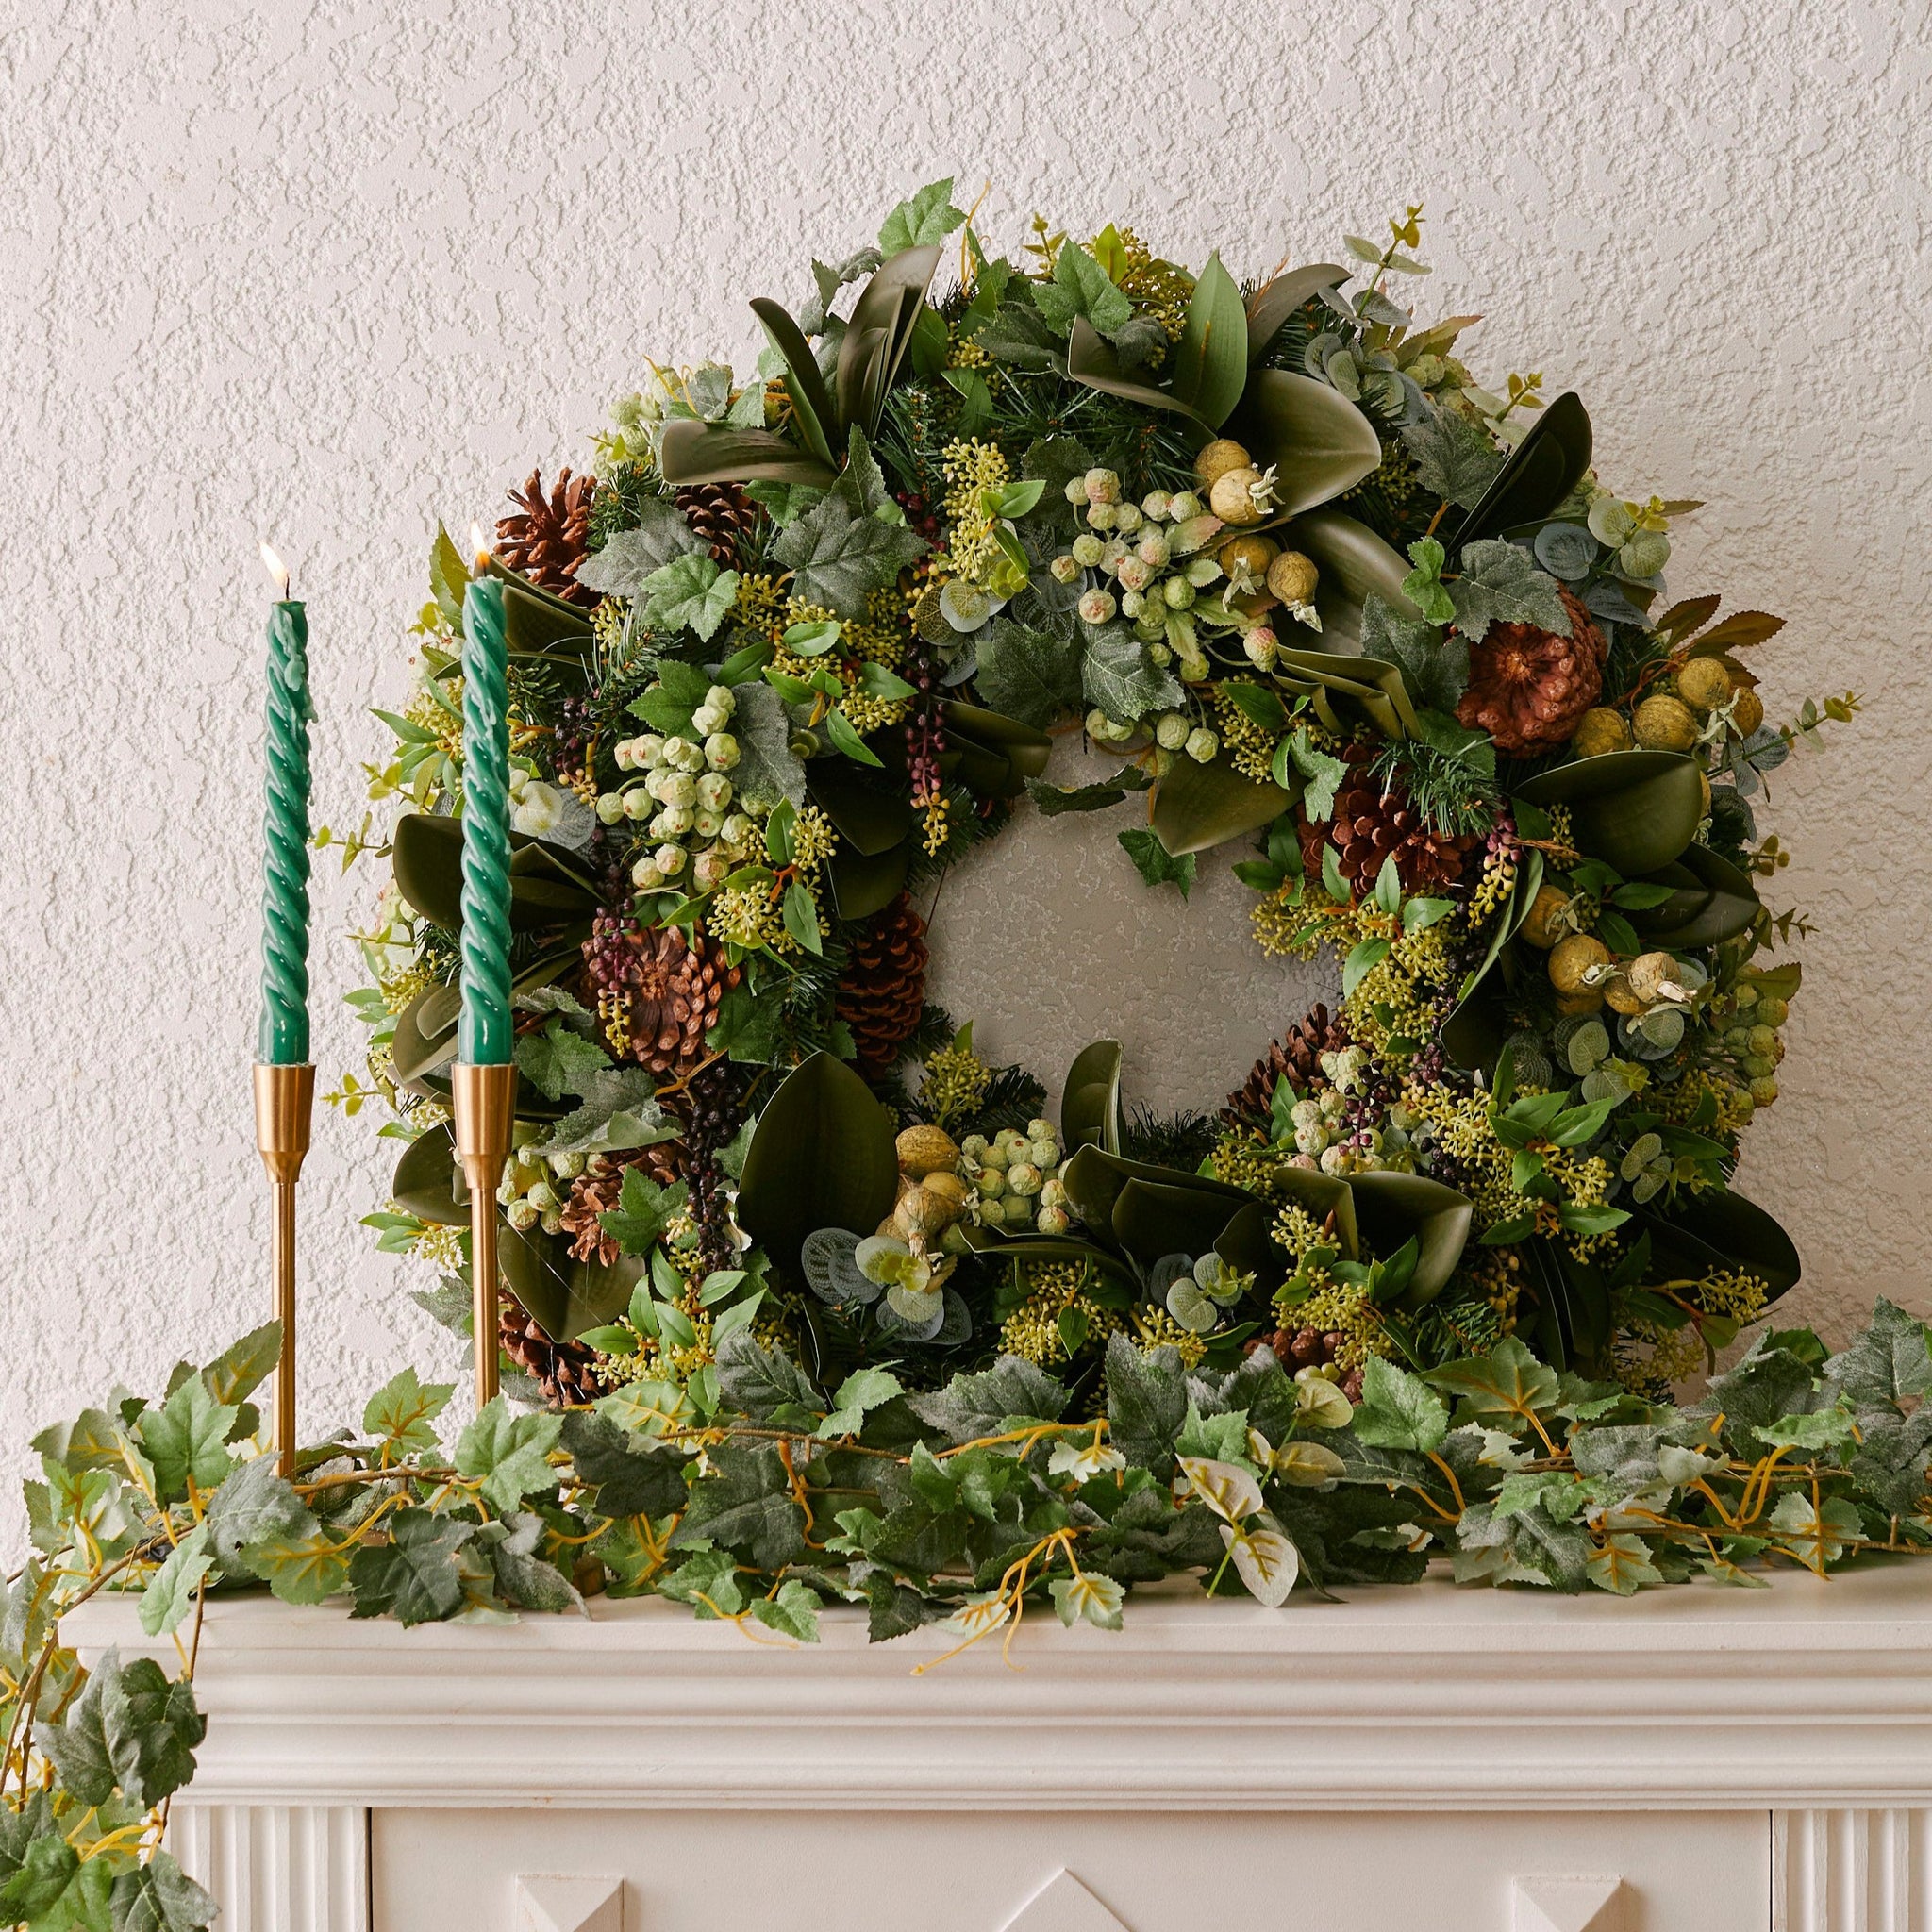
(1293, 578)
(924, 1150)
(1573, 961)
(1600, 731)
(1221, 456)
(1664, 722)
(1748, 713)
(1540, 926)
(1246, 557)
(1620, 994)
(1704, 684)
(1649, 974)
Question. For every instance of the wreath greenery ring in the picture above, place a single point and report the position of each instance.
(807, 638)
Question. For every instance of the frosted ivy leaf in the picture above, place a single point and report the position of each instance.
(1083, 1461)
(1265, 1560)
(1679, 1466)
(1098, 1599)
(1308, 1465)
(976, 1615)
(1226, 1489)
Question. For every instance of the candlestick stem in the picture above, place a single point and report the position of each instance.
(284, 1101)
(483, 1101)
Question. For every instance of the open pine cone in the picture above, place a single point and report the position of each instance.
(723, 516)
(665, 989)
(545, 538)
(1529, 689)
(882, 991)
(597, 1190)
(1370, 824)
(567, 1372)
(1296, 1056)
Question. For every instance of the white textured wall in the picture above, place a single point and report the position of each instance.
(327, 271)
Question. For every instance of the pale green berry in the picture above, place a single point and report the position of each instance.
(637, 803)
(1024, 1178)
(1088, 551)
(974, 1148)
(1202, 745)
(1100, 516)
(645, 876)
(1155, 504)
(1757, 1066)
(1182, 506)
(1076, 489)
(1053, 1192)
(735, 831)
(1044, 1154)
(669, 859)
(673, 822)
(1171, 732)
(610, 806)
(707, 824)
(1103, 486)
(680, 788)
(541, 1196)
(552, 1223)
(1163, 762)
(1134, 574)
(709, 718)
(1177, 594)
(648, 750)
(520, 1216)
(1127, 519)
(1132, 604)
(714, 790)
(1052, 1221)
(990, 1180)
(1262, 647)
(711, 868)
(1773, 1011)
(1763, 1090)
(995, 1156)
(1064, 569)
(568, 1166)
(721, 697)
(721, 751)
(1764, 1041)
(1159, 656)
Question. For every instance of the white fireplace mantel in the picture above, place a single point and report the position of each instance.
(1698, 1757)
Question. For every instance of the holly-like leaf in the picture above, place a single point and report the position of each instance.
(708, 1582)
(1154, 863)
(508, 1452)
(1499, 583)
(630, 557)
(1117, 674)
(131, 1727)
(1029, 675)
(416, 1576)
(1398, 1410)
(838, 556)
(241, 1367)
(185, 1439)
(1146, 1404)
(691, 593)
(1454, 459)
(524, 1574)
(643, 1211)
(760, 1381)
(398, 1416)
(620, 1110)
(558, 1060)
(927, 217)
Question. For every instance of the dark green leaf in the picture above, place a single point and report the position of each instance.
(1155, 862)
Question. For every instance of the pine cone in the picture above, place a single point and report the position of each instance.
(1369, 823)
(569, 1374)
(882, 991)
(1529, 689)
(723, 516)
(544, 539)
(1296, 1056)
(663, 989)
(599, 1190)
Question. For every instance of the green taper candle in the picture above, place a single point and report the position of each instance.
(483, 1035)
(284, 1033)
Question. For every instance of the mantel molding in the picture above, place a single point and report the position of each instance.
(1806, 1696)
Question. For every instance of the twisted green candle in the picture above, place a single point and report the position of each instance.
(284, 1033)
(484, 1035)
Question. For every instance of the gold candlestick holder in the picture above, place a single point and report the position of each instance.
(284, 1099)
(483, 1103)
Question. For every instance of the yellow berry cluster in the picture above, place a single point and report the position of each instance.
(1032, 1330)
(1156, 1328)
(952, 1084)
(970, 467)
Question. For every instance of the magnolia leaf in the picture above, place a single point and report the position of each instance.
(1210, 361)
(1542, 470)
(1318, 443)
(703, 452)
(1198, 806)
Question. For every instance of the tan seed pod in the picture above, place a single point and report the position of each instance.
(1648, 975)
(947, 1186)
(1664, 722)
(1293, 578)
(1246, 557)
(1704, 684)
(922, 1213)
(1574, 1005)
(1620, 994)
(1600, 731)
(1749, 712)
(1572, 959)
(1221, 456)
(1541, 927)
(1232, 497)
(924, 1150)
(1703, 795)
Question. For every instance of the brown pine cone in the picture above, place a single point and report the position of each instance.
(1369, 823)
(724, 516)
(544, 539)
(599, 1190)
(569, 1374)
(1296, 1056)
(1528, 688)
(882, 991)
(665, 989)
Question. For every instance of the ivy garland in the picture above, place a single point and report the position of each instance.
(1316, 595)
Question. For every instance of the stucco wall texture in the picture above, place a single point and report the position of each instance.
(327, 271)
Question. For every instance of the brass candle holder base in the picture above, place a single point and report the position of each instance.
(284, 1099)
(483, 1103)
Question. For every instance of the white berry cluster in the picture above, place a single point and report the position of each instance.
(683, 800)
(1015, 1178)
(534, 1188)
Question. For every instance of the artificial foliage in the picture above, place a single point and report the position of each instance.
(997, 1493)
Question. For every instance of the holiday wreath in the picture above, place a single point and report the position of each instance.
(806, 640)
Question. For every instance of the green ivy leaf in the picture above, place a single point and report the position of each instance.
(1080, 287)
(630, 557)
(691, 593)
(299, 1566)
(416, 1576)
(1454, 459)
(1501, 584)
(1029, 675)
(158, 1896)
(1398, 1410)
(185, 1439)
(1423, 586)
(643, 1212)
(171, 1591)
(793, 1612)
(862, 1391)
(838, 556)
(1117, 674)
(1055, 799)
(1154, 863)
(131, 1728)
(399, 1414)
(508, 1452)
(557, 1060)
(927, 217)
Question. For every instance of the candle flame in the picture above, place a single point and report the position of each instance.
(277, 570)
(480, 549)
